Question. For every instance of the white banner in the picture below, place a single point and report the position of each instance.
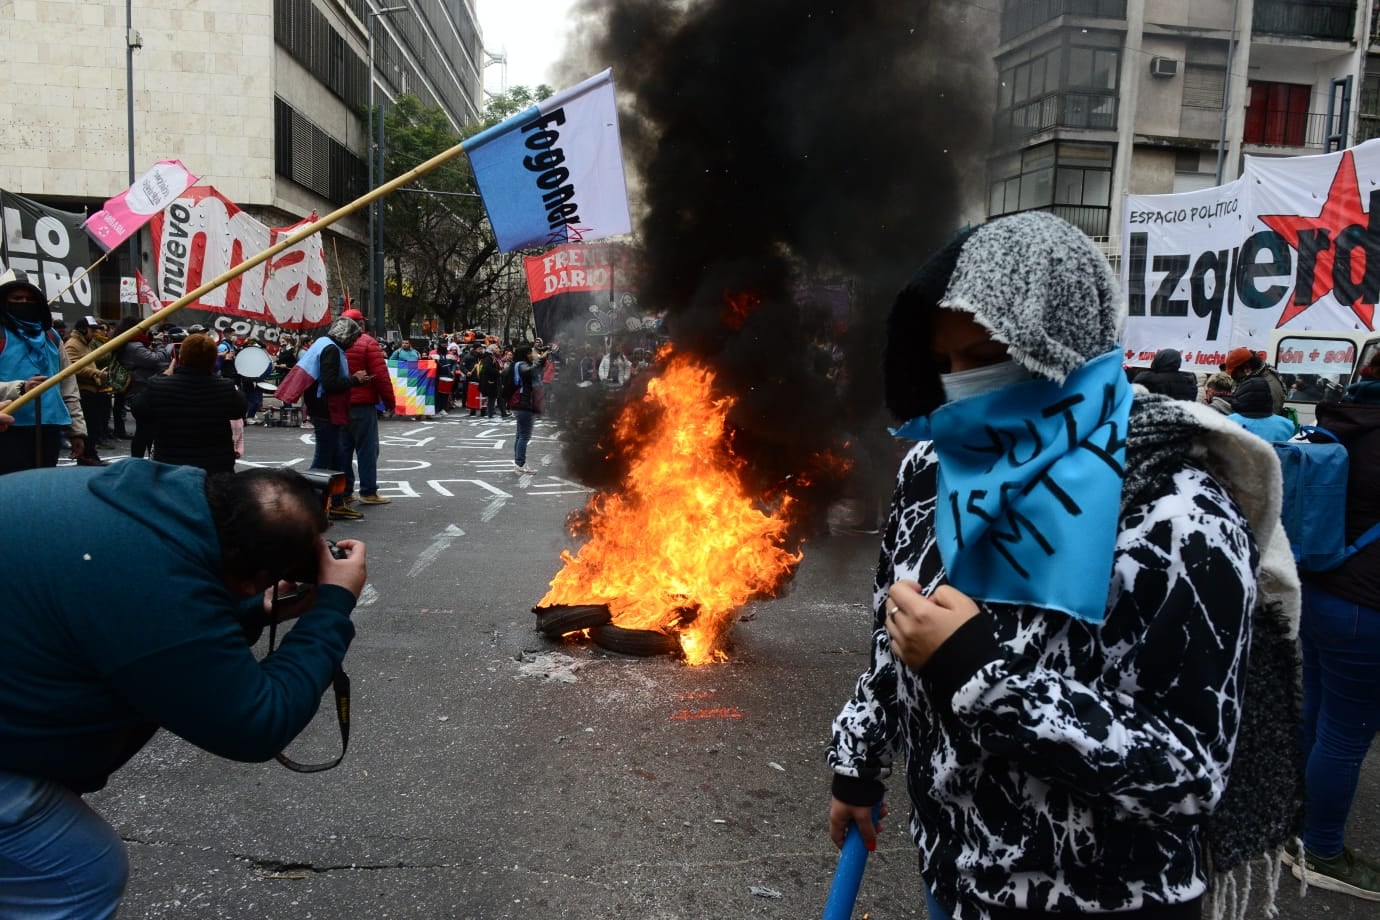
(1288, 245)
(554, 173)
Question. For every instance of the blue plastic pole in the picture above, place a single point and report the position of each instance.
(848, 874)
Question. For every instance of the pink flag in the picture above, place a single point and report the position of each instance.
(124, 214)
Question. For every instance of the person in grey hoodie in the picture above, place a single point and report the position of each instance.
(1069, 743)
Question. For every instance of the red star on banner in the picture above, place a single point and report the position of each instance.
(1342, 209)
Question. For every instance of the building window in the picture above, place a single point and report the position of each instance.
(1277, 115)
(313, 159)
(1368, 125)
(1327, 19)
(1070, 87)
(1205, 86)
(1021, 16)
(1071, 180)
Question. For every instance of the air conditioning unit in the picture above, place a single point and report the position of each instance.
(1163, 67)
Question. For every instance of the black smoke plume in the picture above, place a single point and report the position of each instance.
(770, 143)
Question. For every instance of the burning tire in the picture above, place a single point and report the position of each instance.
(643, 643)
(559, 619)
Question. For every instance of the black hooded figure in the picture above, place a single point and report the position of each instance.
(31, 351)
(1165, 377)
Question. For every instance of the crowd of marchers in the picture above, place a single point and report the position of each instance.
(1140, 749)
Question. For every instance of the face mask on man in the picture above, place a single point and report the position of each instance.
(980, 380)
(25, 311)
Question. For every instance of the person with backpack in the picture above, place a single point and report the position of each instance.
(1340, 635)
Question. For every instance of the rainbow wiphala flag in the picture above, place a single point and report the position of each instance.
(414, 386)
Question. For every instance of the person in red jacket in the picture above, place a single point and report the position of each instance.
(361, 436)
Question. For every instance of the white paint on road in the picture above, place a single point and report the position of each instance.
(492, 509)
(436, 484)
(419, 465)
(368, 597)
(438, 546)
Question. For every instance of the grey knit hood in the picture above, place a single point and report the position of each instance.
(1034, 281)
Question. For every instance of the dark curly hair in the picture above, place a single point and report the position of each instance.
(268, 521)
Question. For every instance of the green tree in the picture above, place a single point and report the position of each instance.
(442, 255)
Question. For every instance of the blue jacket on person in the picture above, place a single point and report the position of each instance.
(116, 622)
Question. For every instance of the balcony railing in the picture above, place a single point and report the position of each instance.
(1307, 131)
(1021, 16)
(1091, 220)
(1095, 111)
(1330, 19)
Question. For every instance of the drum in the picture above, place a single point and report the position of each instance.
(267, 387)
(445, 384)
(472, 400)
(252, 361)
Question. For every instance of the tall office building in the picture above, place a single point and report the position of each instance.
(264, 99)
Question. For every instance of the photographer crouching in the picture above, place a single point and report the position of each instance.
(97, 658)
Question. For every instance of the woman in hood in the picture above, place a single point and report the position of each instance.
(1064, 603)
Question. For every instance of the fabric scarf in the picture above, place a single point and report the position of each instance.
(1030, 481)
(39, 356)
(311, 361)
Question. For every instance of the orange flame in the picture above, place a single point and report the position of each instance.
(678, 546)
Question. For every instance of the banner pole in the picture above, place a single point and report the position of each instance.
(192, 296)
(80, 275)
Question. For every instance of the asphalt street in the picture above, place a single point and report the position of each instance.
(494, 774)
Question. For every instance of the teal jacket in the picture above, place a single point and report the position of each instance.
(116, 623)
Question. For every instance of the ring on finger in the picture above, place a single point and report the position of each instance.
(892, 610)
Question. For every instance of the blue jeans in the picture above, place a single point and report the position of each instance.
(525, 418)
(58, 858)
(1341, 710)
(932, 908)
(329, 454)
(360, 439)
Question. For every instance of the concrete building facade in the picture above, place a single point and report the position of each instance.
(267, 100)
(1102, 98)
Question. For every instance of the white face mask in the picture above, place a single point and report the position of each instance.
(980, 380)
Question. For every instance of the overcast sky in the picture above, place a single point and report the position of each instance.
(532, 32)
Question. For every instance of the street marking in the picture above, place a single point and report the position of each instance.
(398, 441)
(411, 431)
(436, 484)
(492, 509)
(270, 464)
(429, 555)
(476, 444)
(421, 465)
(368, 596)
(401, 487)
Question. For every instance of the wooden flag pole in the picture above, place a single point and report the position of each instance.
(80, 275)
(192, 296)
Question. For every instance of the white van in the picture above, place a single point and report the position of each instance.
(1318, 366)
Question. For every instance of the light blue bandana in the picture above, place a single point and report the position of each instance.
(1030, 488)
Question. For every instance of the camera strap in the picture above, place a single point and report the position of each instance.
(340, 683)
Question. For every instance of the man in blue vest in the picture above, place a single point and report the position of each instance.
(31, 352)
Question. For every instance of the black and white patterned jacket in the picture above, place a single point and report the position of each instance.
(1055, 765)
